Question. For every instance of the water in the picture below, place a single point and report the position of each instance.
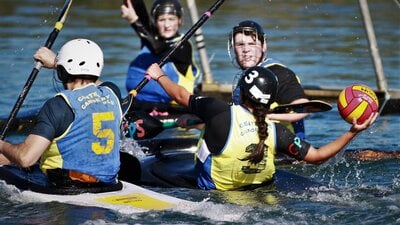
(323, 42)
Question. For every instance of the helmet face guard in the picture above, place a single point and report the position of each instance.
(247, 28)
(259, 84)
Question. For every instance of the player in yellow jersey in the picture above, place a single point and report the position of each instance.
(239, 142)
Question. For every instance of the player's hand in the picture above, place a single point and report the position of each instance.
(356, 128)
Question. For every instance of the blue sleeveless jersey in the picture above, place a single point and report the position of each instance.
(91, 143)
(153, 92)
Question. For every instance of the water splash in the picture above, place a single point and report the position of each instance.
(131, 146)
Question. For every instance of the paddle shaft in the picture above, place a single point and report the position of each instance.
(49, 43)
(172, 123)
(178, 44)
(312, 106)
(140, 125)
(149, 127)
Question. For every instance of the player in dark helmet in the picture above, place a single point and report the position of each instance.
(239, 143)
(247, 47)
(256, 32)
(259, 85)
(249, 25)
(158, 32)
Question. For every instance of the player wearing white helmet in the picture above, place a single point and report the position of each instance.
(76, 136)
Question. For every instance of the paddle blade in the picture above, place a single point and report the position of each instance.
(126, 104)
(312, 106)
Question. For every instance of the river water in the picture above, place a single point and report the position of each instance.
(324, 42)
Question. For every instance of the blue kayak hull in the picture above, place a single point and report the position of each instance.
(176, 168)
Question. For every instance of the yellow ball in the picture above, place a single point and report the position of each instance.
(357, 101)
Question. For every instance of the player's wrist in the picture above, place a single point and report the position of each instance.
(158, 78)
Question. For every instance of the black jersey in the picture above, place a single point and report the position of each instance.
(147, 31)
(289, 88)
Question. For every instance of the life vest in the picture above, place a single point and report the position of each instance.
(153, 92)
(225, 171)
(90, 144)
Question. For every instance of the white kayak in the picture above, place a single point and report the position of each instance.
(130, 199)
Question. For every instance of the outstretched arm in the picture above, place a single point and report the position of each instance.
(177, 92)
(318, 156)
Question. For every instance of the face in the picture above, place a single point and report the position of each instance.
(248, 49)
(168, 25)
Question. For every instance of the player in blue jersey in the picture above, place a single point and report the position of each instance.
(158, 33)
(76, 136)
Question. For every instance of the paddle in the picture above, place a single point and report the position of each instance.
(128, 101)
(140, 125)
(312, 106)
(49, 43)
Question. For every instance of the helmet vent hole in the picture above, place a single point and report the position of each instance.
(82, 63)
(69, 60)
(98, 65)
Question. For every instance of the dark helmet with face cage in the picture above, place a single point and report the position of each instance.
(161, 7)
(249, 27)
(259, 84)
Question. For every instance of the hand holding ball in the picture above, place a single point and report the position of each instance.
(357, 101)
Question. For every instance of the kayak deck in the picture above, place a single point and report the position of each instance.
(131, 198)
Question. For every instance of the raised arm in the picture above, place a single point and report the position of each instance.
(318, 156)
(177, 92)
(128, 12)
(135, 13)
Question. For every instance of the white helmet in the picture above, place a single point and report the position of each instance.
(81, 57)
